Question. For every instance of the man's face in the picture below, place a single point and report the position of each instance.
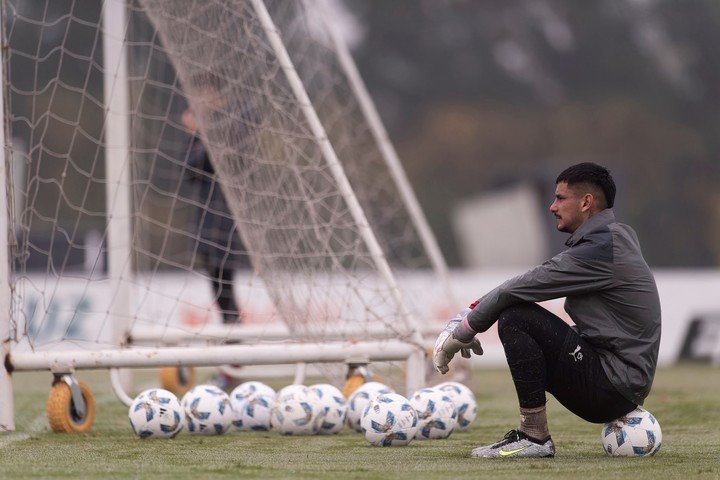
(570, 210)
(189, 121)
(209, 102)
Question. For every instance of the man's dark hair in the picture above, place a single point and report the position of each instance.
(591, 174)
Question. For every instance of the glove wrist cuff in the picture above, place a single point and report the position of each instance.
(463, 332)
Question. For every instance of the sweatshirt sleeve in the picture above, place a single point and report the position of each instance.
(565, 274)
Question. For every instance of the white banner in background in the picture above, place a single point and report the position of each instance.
(77, 311)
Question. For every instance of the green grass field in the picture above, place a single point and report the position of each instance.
(685, 399)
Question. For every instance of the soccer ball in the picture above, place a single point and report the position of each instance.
(333, 404)
(247, 388)
(296, 411)
(637, 434)
(252, 411)
(207, 410)
(436, 412)
(389, 420)
(156, 413)
(464, 401)
(360, 399)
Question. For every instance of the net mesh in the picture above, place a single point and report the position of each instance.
(235, 213)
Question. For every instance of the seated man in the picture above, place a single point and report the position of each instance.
(603, 367)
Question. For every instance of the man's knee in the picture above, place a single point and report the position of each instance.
(514, 317)
(530, 318)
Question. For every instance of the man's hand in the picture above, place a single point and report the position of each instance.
(457, 336)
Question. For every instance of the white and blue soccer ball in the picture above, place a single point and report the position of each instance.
(296, 411)
(437, 415)
(207, 410)
(465, 403)
(637, 434)
(360, 399)
(252, 411)
(156, 413)
(389, 420)
(334, 406)
(248, 388)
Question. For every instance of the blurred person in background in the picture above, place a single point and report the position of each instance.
(603, 367)
(218, 244)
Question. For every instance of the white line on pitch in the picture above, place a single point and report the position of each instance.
(39, 425)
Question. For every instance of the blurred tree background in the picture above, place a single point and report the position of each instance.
(481, 93)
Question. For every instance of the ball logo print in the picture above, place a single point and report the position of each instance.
(384, 428)
(250, 408)
(197, 413)
(304, 420)
(252, 412)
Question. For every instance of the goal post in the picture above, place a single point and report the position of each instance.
(117, 164)
(116, 227)
(117, 168)
(7, 419)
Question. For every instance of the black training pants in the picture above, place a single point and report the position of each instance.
(545, 354)
(222, 287)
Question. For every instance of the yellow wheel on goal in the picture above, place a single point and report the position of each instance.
(177, 379)
(357, 374)
(352, 383)
(63, 415)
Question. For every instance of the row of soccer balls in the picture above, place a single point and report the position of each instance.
(375, 409)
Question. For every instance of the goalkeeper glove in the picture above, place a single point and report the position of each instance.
(457, 336)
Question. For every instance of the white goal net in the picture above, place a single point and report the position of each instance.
(202, 167)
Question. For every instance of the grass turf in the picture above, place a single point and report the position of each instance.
(684, 399)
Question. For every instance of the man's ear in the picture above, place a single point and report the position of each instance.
(588, 202)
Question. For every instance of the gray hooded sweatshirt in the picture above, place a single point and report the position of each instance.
(610, 295)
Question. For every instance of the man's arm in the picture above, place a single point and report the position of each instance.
(573, 272)
(569, 273)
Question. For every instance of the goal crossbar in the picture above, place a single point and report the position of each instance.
(273, 354)
(208, 333)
